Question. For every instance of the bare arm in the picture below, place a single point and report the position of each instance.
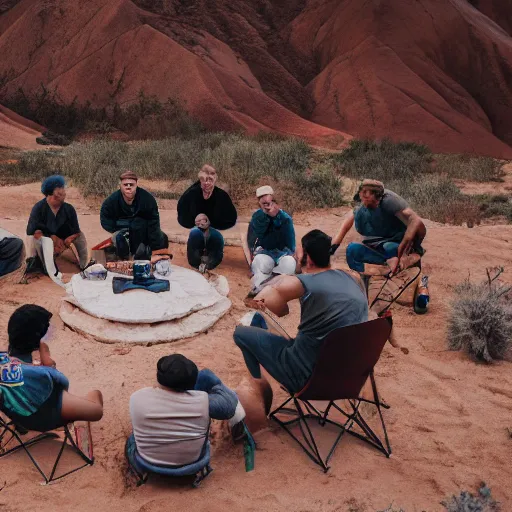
(415, 229)
(277, 295)
(348, 222)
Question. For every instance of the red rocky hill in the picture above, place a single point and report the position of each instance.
(428, 71)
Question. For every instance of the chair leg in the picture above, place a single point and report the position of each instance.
(201, 476)
(309, 445)
(38, 438)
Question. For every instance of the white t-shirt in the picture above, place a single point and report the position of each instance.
(170, 427)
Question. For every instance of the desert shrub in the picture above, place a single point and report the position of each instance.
(467, 502)
(145, 118)
(30, 166)
(384, 160)
(492, 205)
(468, 167)
(480, 321)
(438, 198)
(94, 166)
(405, 168)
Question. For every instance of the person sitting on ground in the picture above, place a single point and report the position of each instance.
(391, 229)
(57, 220)
(205, 246)
(205, 251)
(43, 402)
(131, 215)
(271, 238)
(329, 299)
(171, 420)
(11, 252)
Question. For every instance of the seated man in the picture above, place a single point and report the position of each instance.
(171, 420)
(390, 229)
(131, 215)
(205, 198)
(329, 299)
(271, 239)
(205, 246)
(54, 222)
(42, 402)
(11, 252)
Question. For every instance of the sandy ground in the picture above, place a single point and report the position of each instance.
(447, 422)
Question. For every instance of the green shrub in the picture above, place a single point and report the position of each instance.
(384, 160)
(468, 167)
(495, 205)
(480, 321)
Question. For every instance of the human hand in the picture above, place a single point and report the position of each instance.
(272, 209)
(258, 304)
(38, 234)
(70, 239)
(333, 249)
(405, 247)
(58, 244)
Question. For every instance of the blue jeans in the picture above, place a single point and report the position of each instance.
(359, 254)
(222, 401)
(209, 250)
(261, 347)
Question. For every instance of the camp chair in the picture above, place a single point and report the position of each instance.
(397, 287)
(11, 433)
(142, 469)
(346, 360)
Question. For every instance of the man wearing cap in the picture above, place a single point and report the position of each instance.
(271, 238)
(131, 215)
(390, 229)
(205, 208)
(171, 419)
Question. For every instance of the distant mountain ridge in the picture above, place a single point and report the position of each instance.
(326, 70)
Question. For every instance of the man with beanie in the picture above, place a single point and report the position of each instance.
(131, 215)
(271, 239)
(206, 208)
(391, 229)
(170, 420)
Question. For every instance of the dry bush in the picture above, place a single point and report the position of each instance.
(481, 319)
(467, 502)
(469, 167)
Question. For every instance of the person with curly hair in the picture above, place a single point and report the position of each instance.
(54, 221)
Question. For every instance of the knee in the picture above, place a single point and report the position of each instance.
(262, 263)
(355, 251)
(288, 265)
(239, 335)
(390, 249)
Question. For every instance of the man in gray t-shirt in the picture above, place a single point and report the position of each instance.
(390, 229)
(329, 299)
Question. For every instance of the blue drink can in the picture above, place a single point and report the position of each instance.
(141, 270)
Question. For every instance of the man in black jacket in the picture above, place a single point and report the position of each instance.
(205, 245)
(131, 215)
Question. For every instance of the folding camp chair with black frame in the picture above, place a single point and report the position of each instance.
(346, 361)
(399, 288)
(8, 434)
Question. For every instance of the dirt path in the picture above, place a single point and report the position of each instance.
(447, 422)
